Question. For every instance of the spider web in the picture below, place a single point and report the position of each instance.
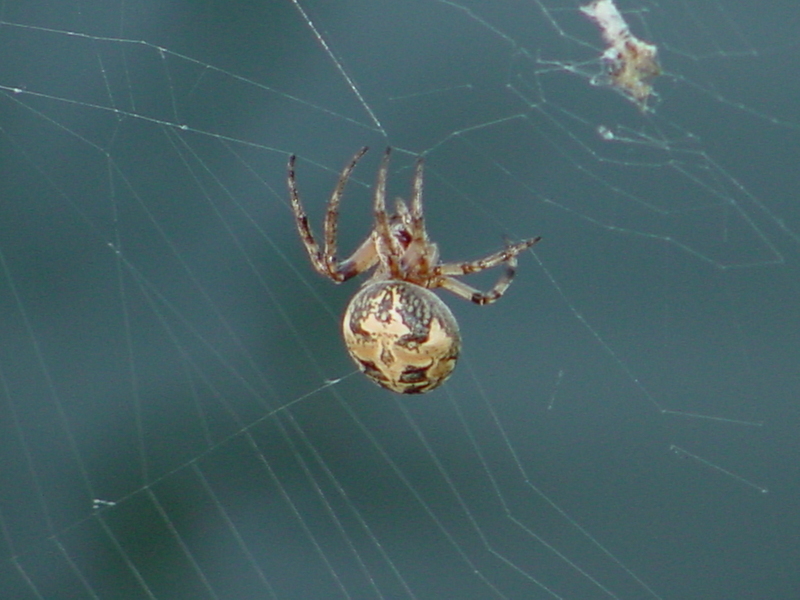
(179, 416)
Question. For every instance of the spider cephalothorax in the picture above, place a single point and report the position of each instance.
(400, 334)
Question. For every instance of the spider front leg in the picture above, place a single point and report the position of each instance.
(507, 256)
(332, 214)
(419, 236)
(391, 249)
(324, 261)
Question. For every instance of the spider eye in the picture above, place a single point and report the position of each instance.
(402, 336)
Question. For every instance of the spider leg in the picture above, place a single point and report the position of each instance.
(392, 247)
(301, 219)
(487, 262)
(332, 214)
(362, 259)
(417, 216)
(507, 256)
(419, 236)
(325, 263)
(467, 292)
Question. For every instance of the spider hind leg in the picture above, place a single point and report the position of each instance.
(507, 256)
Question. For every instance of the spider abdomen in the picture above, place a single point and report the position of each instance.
(402, 336)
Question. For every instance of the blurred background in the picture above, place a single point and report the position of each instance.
(178, 415)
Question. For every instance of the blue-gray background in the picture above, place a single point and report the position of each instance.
(623, 424)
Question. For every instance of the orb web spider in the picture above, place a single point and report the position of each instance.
(399, 333)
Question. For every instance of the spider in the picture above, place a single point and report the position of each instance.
(400, 334)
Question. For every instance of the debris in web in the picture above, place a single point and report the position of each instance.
(630, 64)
